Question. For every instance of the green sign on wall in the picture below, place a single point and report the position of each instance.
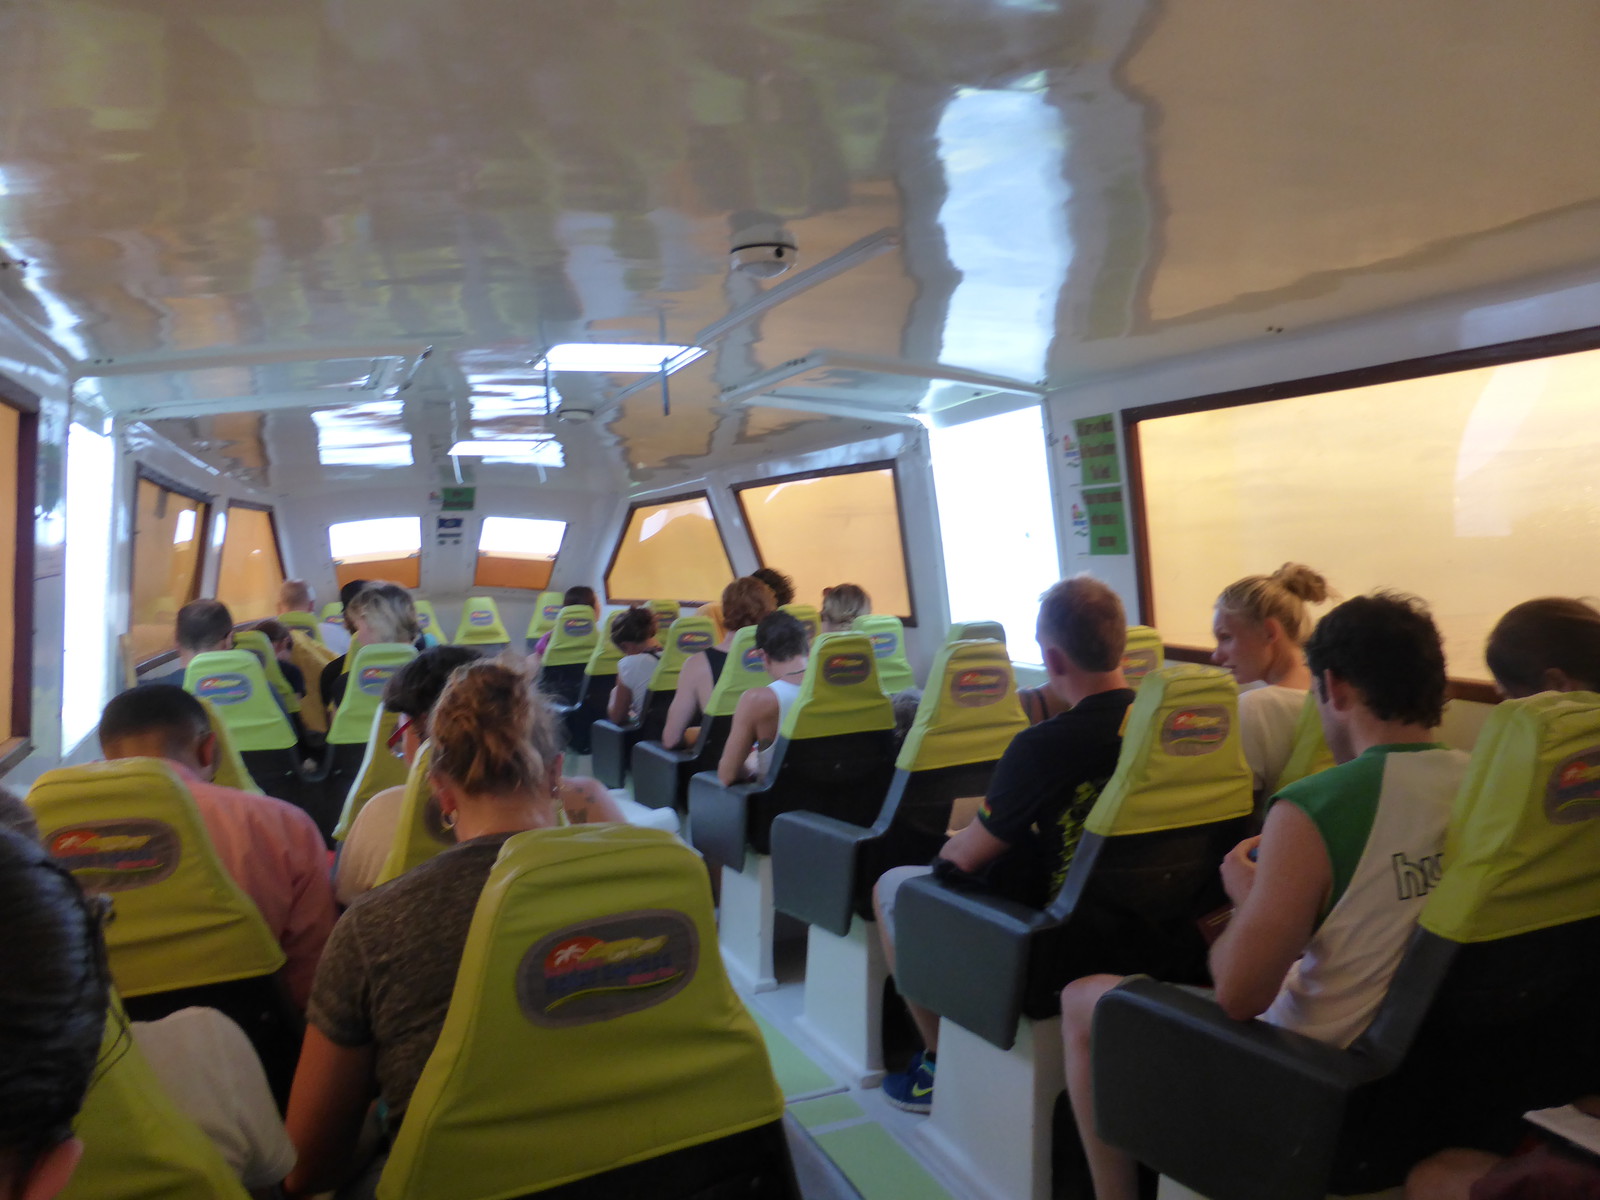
(1108, 524)
(458, 499)
(1097, 443)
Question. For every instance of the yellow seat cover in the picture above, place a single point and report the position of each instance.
(545, 612)
(260, 645)
(306, 623)
(591, 984)
(380, 769)
(231, 771)
(889, 644)
(131, 830)
(420, 832)
(969, 712)
(807, 615)
(573, 637)
(233, 681)
(429, 620)
(372, 668)
(480, 624)
(840, 692)
(1181, 763)
(1143, 654)
(1309, 753)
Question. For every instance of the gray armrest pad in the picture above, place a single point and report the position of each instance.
(718, 818)
(814, 868)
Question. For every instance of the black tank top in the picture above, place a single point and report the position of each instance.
(715, 658)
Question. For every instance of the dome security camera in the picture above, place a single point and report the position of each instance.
(764, 251)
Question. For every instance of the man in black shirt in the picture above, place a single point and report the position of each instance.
(1022, 840)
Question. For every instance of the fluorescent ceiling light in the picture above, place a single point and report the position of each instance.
(483, 447)
(363, 435)
(617, 358)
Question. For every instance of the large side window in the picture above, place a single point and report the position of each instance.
(169, 529)
(251, 570)
(1470, 488)
(669, 550)
(997, 522)
(517, 552)
(91, 467)
(18, 454)
(378, 548)
(833, 527)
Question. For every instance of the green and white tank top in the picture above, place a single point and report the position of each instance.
(1382, 817)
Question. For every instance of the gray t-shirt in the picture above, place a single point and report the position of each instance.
(390, 964)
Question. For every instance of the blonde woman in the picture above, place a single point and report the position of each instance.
(744, 602)
(1261, 624)
(842, 605)
(379, 613)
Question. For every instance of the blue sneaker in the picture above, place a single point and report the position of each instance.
(912, 1090)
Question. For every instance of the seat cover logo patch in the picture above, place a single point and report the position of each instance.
(978, 687)
(752, 660)
(577, 627)
(1136, 664)
(1574, 791)
(424, 619)
(599, 970)
(225, 687)
(552, 611)
(695, 640)
(479, 618)
(884, 644)
(117, 856)
(846, 669)
(374, 679)
(1189, 732)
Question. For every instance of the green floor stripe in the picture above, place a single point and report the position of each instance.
(797, 1074)
(880, 1167)
(828, 1110)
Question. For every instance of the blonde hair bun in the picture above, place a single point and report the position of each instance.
(1300, 580)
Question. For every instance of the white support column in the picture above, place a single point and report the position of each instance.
(745, 922)
(992, 1109)
(844, 1000)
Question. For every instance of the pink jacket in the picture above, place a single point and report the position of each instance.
(275, 854)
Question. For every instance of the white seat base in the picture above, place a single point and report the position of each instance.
(745, 921)
(843, 1015)
(992, 1109)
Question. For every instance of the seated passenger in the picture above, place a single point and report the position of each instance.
(385, 982)
(54, 989)
(744, 602)
(1318, 927)
(379, 613)
(573, 595)
(583, 800)
(784, 647)
(283, 649)
(634, 632)
(202, 627)
(842, 605)
(412, 692)
(271, 848)
(296, 596)
(337, 635)
(1260, 625)
(1023, 838)
(782, 586)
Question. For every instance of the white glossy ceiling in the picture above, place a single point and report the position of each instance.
(229, 208)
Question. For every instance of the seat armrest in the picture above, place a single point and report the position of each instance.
(608, 745)
(719, 818)
(814, 868)
(965, 955)
(1240, 1109)
(658, 773)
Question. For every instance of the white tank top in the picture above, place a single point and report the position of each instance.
(787, 693)
(1334, 989)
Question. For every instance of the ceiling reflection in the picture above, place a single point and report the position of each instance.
(274, 210)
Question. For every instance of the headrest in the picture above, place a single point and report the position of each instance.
(972, 631)
(840, 692)
(1181, 763)
(590, 983)
(605, 656)
(713, 612)
(260, 645)
(1523, 850)
(806, 614)
(1142, 654)
(305, 622)
(1310, 752)
(969, 712)
(889, 644)
(136, 1141)
(371, 669)
(231, 771)
(333, 613)
(545, 612)
(687, 635)
(741, 672)
(666, 610)
(379, 769)
(419, 832)
(429, 620)
(480, 623)
(131, 830)
(573, 636)
(234, 682)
